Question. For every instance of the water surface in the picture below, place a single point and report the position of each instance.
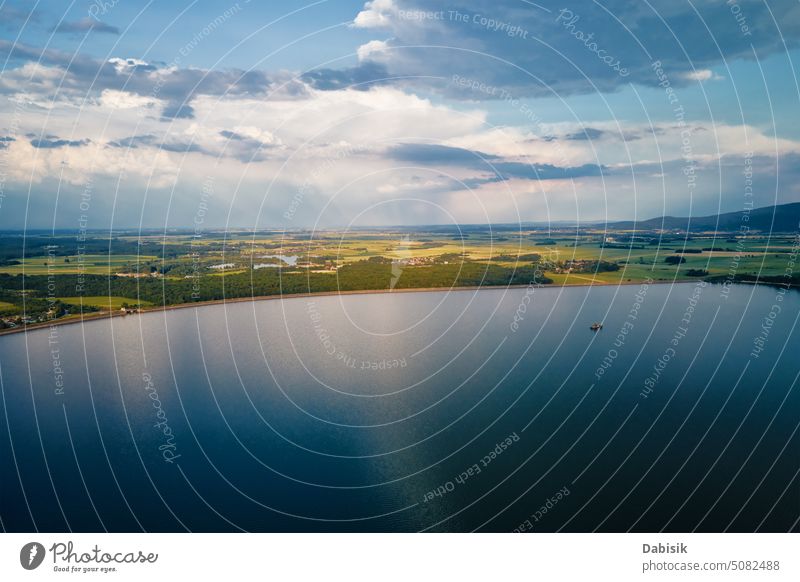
(493, 410)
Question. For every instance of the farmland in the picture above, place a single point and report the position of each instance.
(52, 277)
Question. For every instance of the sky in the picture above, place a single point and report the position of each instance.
(124, 114)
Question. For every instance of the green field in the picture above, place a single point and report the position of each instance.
(377, 259)
(7, 308)
(75, 264)
(103, 302)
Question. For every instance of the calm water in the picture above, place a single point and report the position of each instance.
(412, 411)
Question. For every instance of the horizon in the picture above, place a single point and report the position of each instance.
(587, 223)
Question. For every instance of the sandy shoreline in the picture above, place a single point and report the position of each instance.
(109, 314)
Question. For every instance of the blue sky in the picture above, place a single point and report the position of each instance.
(329, 114)
(159, 29)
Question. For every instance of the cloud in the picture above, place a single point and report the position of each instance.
(232, 135)
(129, 65)
(85, 25)
(170, 144)
(588, 134)
(500, 168)
(376, 14)
(184, 148)
(120, 100)
(177, 88)
(370, 49)
(245, 148)
(422, 153)
(51, 142)
(539, 49)
(134, 141)
(347, 134)
(702, 75)
(361, 77)
(248, 144)
(177, 110)
(510, 170)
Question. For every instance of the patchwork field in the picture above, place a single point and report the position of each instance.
(177, 268)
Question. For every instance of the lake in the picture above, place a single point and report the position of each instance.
(491, 410)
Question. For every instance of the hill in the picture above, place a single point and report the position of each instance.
(786, 219)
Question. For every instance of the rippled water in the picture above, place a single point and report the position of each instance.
(492, 410)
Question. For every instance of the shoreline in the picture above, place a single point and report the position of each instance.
(93, 316)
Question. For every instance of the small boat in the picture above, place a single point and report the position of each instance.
(596, 326)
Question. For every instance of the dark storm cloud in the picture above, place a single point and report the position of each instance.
(150, 140)
(587, 134)
(134, 141)
(176, 86)
(243, 139)
(433, 155)
(177, 110)
(239, 147)
(51, 142)
(517, 47)
(361, 77)
(423, 153)
(232, 135)
(85, 25)
(548, 171)
(184, 148)
(593, 133)
(512, 47)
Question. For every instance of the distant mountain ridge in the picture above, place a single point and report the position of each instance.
(786, 219)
